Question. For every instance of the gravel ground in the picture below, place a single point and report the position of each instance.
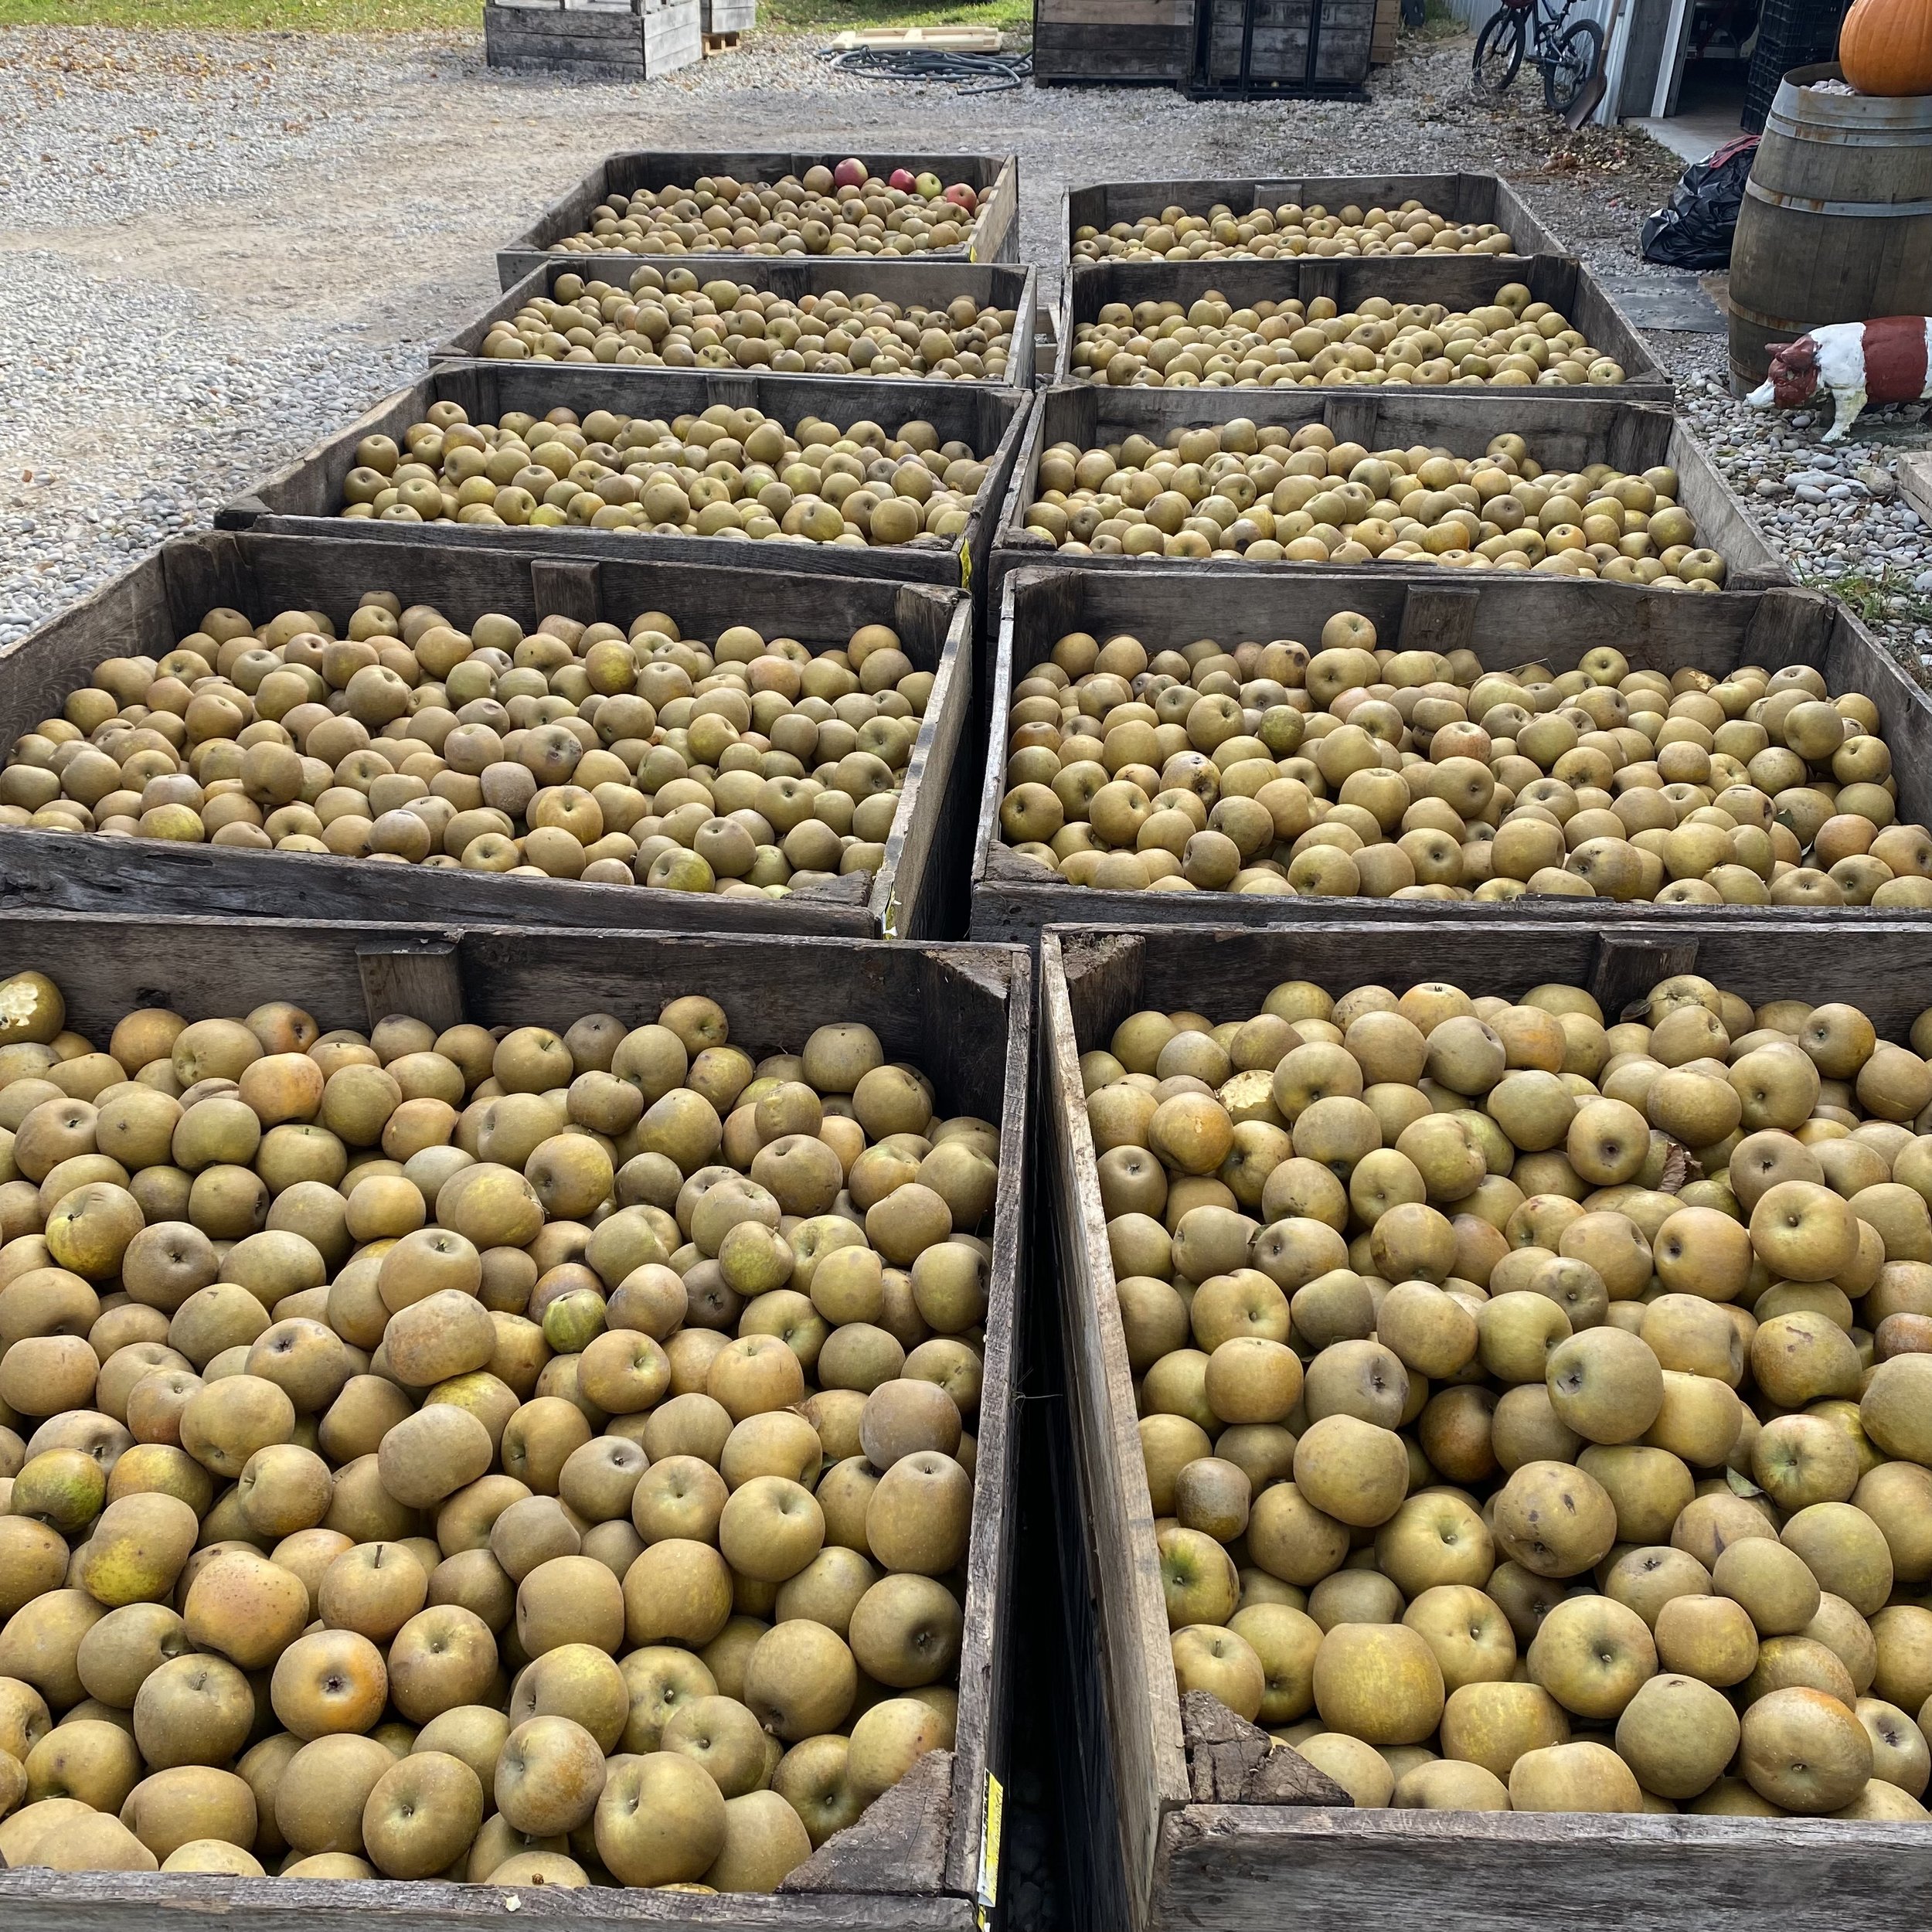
(235, 244)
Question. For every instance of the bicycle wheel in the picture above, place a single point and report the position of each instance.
(1499, 50)
(1572, 65)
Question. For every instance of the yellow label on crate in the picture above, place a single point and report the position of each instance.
(990, 1827)
(965, 570)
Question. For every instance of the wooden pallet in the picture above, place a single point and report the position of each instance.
(714, 43)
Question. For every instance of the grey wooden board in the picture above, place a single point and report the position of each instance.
(1230, 1866)
(1459, 281)
(1243, 1866)
(963, 1014)
(148, 607)
(1458, 198)
(305, 499)
(991, 284)
(1504, 619)
(1677, 303)
(996, 236)
(1629, 436)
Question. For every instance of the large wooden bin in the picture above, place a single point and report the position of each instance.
(1560, 434)
(1505, 618)
(1457, 281)
(925, 1858)
(932, 284)
(1461, 198)
(994, 178)
(1188, 1844)
(1111, 42)
(149, 607)
(305, 499)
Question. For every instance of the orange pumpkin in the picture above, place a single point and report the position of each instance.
(1885, 47)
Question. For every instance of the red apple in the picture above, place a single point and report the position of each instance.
(903, 179)
(849, 174)
(962, 196)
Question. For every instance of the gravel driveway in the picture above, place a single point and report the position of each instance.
(224, 247)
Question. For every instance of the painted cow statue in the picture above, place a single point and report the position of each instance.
(1889, 360)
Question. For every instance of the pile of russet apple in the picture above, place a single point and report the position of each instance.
(1537, 1411)
(666, 320)
(531, 1458)
(841, 210)
(1176, 235)
(749, 766)
(1514, 343)
(1271, 494)
(735, 473)
(1364, 772)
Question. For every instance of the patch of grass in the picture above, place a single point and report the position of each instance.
(252, 16)
(828, 17)
(1888, 598)
(823, 18)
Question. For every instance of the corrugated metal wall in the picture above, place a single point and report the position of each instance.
(1473, 13)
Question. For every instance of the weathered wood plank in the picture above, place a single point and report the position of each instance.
(1232, 1867)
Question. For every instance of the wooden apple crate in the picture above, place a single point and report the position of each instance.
(593, 40)
(1108, 42)
(1506, 619)
(991, 285)
(1208, 1827)
(1457, 281)
(926, 1857)
(1560, 434)
(305, 499)
(161, 599)
(995, 179)
(1459, 199)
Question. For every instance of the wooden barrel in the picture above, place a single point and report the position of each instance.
(1836, 225)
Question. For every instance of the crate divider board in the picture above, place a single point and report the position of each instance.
(1461, 198)
(305, 499)
(932, 284)
(917, 1863)
(1188, 1855)
(994, 178)
(1110, 42)
(1560, 434)
(1505, 618)
(150, 606)
(1457, 281)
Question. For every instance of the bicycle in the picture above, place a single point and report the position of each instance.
(1568, 54)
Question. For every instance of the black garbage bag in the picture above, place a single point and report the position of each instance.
(1693, 229)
